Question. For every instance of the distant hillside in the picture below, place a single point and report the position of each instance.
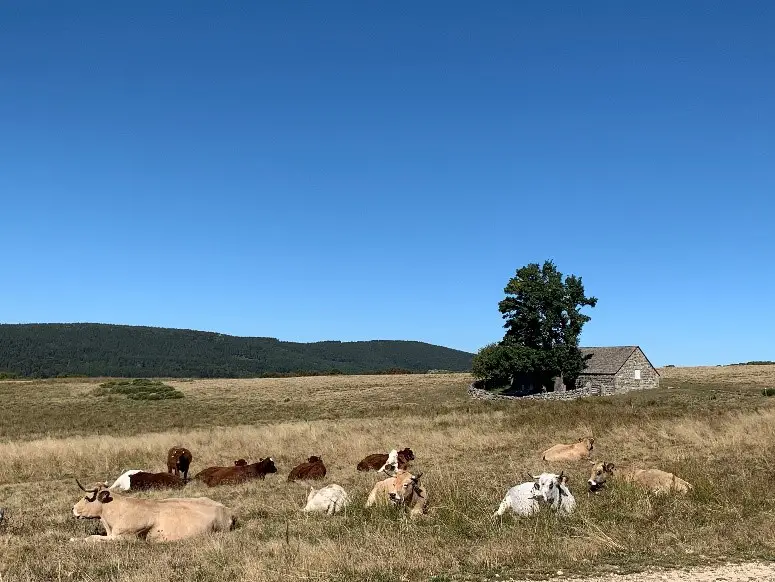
(90, 349)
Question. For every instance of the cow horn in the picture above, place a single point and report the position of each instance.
(532, 477)
(85, 489)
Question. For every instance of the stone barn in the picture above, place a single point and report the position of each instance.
(616, 370)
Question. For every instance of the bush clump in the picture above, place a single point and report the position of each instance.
(139, 389)
(768, 391)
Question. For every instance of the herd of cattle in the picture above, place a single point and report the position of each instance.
(177, 518)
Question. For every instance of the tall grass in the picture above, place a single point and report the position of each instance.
(721, 438)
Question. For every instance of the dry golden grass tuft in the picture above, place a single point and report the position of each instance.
(719, 435)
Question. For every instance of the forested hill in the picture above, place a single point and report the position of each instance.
(53, 349)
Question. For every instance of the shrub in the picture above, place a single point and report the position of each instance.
(768, 391)
(139, 389)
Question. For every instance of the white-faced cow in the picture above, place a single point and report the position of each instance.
(545, 489)
(380, 461)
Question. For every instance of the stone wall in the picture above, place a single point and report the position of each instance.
(479, 394)
(596, 384)
(625, 378)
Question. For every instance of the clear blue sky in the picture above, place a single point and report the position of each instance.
(363, 170)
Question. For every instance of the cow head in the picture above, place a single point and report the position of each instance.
(547, 487)
(90, 507)
(600, 473)
(240, 463)
(403, 486)
(314, 459)
(407, 454)
(589, 442)
(267, 465)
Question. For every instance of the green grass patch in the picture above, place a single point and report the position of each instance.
(139, 389)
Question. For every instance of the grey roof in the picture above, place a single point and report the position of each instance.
(606, 360)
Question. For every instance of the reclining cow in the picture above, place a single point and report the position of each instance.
(213, 476)
(135, 480)
(330, 499)
(312, 469)
(154, 520)
(402, 489)
(381, 462)
(547, 488)
(655, 480)
(577, 451)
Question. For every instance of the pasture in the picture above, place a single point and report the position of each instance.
(713, 427)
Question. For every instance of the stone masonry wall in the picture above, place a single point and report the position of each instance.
(479, 394)
(625, 380)
(597, 384)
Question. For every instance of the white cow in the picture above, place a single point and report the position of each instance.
(329, 499)
(525, 499)
(122, 482)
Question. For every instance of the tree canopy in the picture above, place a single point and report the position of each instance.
(543, 322)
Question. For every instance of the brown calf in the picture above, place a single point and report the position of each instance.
(178, 461)
(377, 461)
(312, 469)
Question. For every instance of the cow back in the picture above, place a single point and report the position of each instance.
(143, 481)
(316, 470)
(372, 462)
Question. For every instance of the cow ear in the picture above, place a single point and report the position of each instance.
(609, 466)
(581, 439)
(104, 497)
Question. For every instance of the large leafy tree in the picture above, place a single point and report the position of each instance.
(543, 317)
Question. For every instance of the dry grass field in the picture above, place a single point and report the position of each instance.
(712, 426)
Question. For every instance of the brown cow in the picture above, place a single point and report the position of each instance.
(178, 461)
(402, 489)
(213, 476)
(656, 480)
(376, 461)
(142, 481)
(312, 469)
(205, 473)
